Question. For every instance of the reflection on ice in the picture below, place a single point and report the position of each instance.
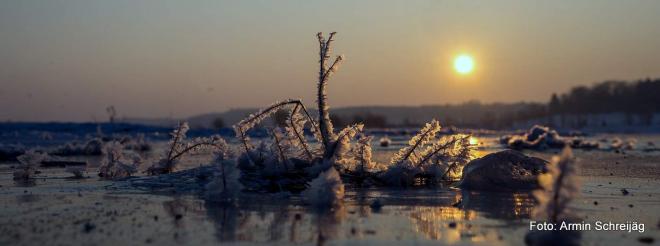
(426, 214)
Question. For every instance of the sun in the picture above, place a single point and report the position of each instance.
(464, 64)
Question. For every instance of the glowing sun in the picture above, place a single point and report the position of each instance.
(464, 64)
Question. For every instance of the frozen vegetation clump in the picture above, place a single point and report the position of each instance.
(326, 190)
(318, 167)
(28, 164)
(559, 186)
(427, 160)
(93, 146)
(288, 162)
(179, 146)
(137, 143)
(618, 144)
(115, 165)
(225, 186)
(541, 138)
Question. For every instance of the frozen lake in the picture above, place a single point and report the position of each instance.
(57, 210)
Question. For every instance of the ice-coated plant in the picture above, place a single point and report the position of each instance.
(408, 155)
(28, 164)
(225, 185)
(326, 190)
(427, 160)
(114, 164)
(559, 186)
(288, 162)
(93, 146)
(179, 146)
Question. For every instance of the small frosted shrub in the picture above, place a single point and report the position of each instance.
(326, 190)
(93, 146)
(290, 162)
(542, 137)
(408, 155)
(358, 162)
(28, 164)
(137, 143)
(616, 144)
(115, 165)
(179, 146)
(428, 161)
(559, 186)
(630, 144)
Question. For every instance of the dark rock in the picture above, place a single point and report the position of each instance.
(503, 171)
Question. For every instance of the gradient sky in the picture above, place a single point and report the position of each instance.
(68, 60)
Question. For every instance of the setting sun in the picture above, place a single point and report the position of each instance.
(464, 64)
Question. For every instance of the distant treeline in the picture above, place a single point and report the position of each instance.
(604, 104)
(640, 99)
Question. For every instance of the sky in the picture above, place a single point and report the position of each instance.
(68, 60)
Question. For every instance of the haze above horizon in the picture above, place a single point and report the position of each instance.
(68, 60)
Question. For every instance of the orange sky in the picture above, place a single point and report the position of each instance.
(68, 60)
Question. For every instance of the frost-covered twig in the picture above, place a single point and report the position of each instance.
(325, 72)
(115, 165)
(179, 147)
(295, 128)
(246, 124)
(341, 145)
(558, 187)
(408, 153)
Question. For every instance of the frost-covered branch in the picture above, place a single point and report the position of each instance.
(558, 187)
(179, 147)
(114, 164)
(325, 72)
(425, 135)
(248, 123)
(295, 128)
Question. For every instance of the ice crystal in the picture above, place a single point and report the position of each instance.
(115, 164)
(326, 190)
(179, 146)
(558, 187)
(408, 155)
